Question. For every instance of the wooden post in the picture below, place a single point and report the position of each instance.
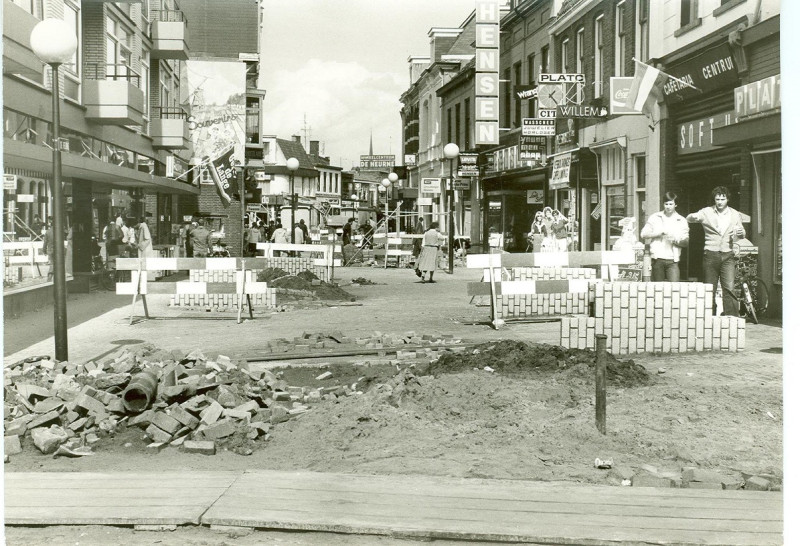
(600, 383)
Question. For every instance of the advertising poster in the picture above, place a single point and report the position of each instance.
(217, 119)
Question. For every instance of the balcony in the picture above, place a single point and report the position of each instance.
(18, 57)
(168, 31)
(112, 96)
(169, 129)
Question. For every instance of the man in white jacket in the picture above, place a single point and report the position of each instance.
(668, 232)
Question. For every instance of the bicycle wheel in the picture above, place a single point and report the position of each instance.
(746, 301)
(760, 294)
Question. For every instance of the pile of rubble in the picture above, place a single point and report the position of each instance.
(190, 402)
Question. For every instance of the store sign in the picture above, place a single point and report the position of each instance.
(582, 111)
(532, 148)
(758, 97)
(710, 70)
(332, 201)
(534, 197)
(538, 127)
(376, 162)
(619, 90)
(524, 92)
(461, 184)
(425, 201)
(10, 182)
(410, 160)
(430, 185)
(24, 198)
(255, 207)
(698, 135)
(561, 168)
(487, 72)
(468, 165)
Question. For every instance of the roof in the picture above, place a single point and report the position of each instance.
(290, 148)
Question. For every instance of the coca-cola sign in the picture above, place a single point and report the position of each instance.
(620, 87)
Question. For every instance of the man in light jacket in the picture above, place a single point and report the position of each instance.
(668, 232)
(722, 226)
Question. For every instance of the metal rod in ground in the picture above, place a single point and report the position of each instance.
(600, 383)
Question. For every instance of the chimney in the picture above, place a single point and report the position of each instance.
(296, 138)
(442, 39)
(314, 144)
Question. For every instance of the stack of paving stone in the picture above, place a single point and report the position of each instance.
(65, 408)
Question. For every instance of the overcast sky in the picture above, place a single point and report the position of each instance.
(344, 64)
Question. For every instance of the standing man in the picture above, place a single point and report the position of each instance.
(201, 240)
(722, 225)
(668, 232)
(347, 232)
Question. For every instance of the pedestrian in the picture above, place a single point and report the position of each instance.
(559, 228)
(270, 230)
(722, 226)
(37, 226)
(668, 232)
(347, 232)
(253, 238)
(418, 229)
(538, 231)
(49, 248)
(201, 240)
(429, 256)
(113, 240)
(144, 241)
(306, 238)
(280, 235)
(299, 236)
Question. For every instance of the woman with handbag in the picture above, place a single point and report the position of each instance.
(429, 257)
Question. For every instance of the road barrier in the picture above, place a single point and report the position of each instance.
(234, 276)
(18, 254)
(323, 255)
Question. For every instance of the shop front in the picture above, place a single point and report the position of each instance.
(511, 200)
(572, 189)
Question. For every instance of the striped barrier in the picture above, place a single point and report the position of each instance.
(327, 260)
(242, 282)
(541, 284)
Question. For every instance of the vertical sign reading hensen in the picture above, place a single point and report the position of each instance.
(487, 72)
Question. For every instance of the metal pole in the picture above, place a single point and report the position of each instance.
(451, 222)
(244, 224)
(600, 383)
(294, 203)
(386, 222)
(59, 273)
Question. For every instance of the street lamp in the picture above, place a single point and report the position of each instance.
(387, 183)
(292, 164)
(54, 42)
(450, 152)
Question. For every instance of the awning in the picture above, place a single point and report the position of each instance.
(749, 131)
(611, 160)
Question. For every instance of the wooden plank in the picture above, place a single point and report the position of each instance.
(107, 515)
(552, 259)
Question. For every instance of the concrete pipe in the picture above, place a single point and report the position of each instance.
(140, 392)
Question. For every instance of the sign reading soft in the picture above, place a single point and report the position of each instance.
(487, 72)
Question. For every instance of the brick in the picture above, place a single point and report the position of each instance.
(212, 413)
(12, 445)
(203, 447)
(648, 480)
(91, 405)
(165, 422)
(157, 434)
(756, 483)
(45, 420)
(221, 429)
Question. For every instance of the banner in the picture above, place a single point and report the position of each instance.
(223, 174)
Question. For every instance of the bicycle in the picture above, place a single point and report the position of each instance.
(752, 292)
(106, 277)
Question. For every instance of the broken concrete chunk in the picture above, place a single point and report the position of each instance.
(165, 422)
(323, 376)
(157, 434)
(91, 405)
(279, 414)
(45, 420)
(47, 440)
(221, 429)
(182, 416)
(12, 445)
(32, 393)
(212, 413)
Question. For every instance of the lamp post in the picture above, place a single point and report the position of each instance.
(55, 43)
(450, 152)
(292, 164)
(387, 184)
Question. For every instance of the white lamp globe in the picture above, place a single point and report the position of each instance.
(385, 183)
(451, 150)
(292, 164)
(354, 197)
(53, 41)
(393, 177)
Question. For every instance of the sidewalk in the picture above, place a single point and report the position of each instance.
(412, 507)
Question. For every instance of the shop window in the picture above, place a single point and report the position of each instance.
(615, 205)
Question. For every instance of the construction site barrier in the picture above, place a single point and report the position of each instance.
(324, 255)
(242, 282)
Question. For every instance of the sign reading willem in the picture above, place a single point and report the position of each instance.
(487, 72)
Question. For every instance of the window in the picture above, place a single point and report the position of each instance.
(620, 41)
(532, 68)
(565, 56)
(145, 84)
(509, 98)
(467, 125)
(118, 52)
(688, 12)
(599, 65)
(643, 30)
(544, 69)
(517, 102)
(449, 125)
(458, 124)
(579, 43)
(165, 84)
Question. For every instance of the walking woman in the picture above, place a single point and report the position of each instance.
(538, 231)
(429, 257)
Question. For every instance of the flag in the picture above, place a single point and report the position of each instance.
(646, 87)
(223, 174)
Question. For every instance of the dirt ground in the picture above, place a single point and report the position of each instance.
(529, 416)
